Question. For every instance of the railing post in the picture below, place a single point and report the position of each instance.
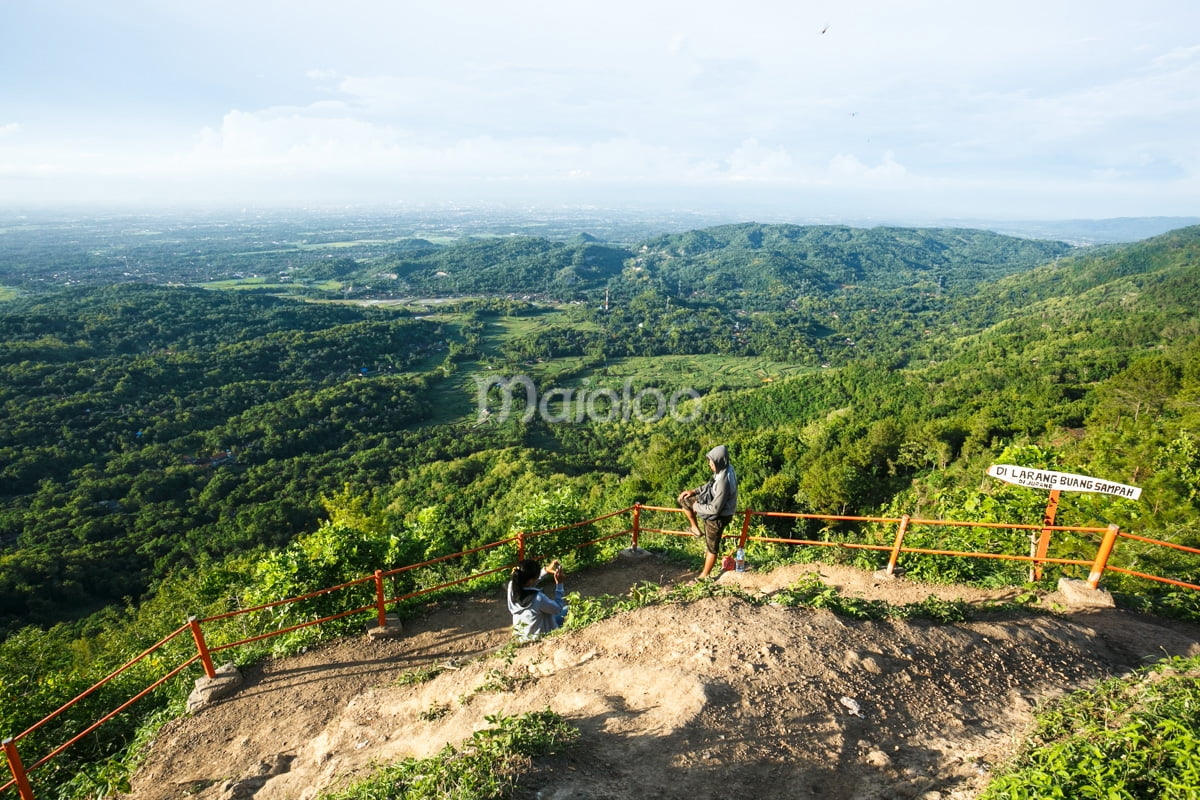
(895, 556)
(745, 535)
(18, 770)
(1106, 548)
(521, 546)
(205, 656)
(379, 604)
(637, 517)
(1039, 550)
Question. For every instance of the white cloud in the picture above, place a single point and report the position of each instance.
(329, 138)
(847, 167)
(325, 140)
(10, 129)
(289, 139)
(1186, 54)
(754, 162)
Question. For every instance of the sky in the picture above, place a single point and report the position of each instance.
(948, 109)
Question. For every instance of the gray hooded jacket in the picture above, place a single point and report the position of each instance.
(718, 497)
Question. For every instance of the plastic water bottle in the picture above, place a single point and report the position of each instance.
(739, 560)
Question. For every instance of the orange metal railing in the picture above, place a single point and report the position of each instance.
(1097, 566)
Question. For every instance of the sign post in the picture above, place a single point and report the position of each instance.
(1056, 482)
(1043, 541)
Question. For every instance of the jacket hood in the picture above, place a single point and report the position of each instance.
(719, 455)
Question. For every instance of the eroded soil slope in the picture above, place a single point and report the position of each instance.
(712, 699)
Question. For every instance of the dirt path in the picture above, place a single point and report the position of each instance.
(712, 699)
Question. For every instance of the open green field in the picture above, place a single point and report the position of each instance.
(237, 284)
(259, 282)
(7, 293)
(700, 372)
(499, 328)
(456, 400)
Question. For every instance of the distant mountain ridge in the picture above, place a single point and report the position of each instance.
(763, 258)
(737, 260)
(556, 254)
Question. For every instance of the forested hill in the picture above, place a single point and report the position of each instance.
(171, 451)
(751, 264)
(138, 318)
(754, 260)
(1072, 325)
(150, 429)
(148, 426)
(1160, 270)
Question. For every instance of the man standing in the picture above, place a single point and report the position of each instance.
(713, 504)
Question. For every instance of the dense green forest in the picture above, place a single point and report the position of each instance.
(173, 449)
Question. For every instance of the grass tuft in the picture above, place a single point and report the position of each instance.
(487, 766)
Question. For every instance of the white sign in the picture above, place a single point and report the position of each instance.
(1047, 479)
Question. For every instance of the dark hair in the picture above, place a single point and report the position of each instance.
(525, 571)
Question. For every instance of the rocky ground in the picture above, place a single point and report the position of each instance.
(712, 699)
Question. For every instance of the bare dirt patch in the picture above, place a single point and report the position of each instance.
(711, 699)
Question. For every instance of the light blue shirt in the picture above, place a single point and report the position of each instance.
(541, 616)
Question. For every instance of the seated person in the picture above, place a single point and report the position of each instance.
(533, 612)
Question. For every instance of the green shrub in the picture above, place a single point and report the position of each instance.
(546, 511)
(485, 767)
(1132, 738)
